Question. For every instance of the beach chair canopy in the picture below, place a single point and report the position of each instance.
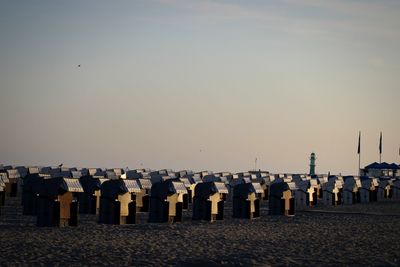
(257, 188)
(32, 170)
(112, 188)
(206, 189)
(45, 170)
(90, 184)
(22, 170)
(186, 182)
(63, 174)
(159, 178)
(111, 175)
(93, 171)
(179, 187)
(99, 174)
(13, 174)
(102, 180)
(277, 189)
(145, 183)
(118, 171)
(211, 178)
(132, 185)
(189, 177)
(169, 187)
(33, 183)
(5, 168)
(4, 177)
(133, 174)
(221, 188)
(53, 187)
(80, 172)
(243, 190)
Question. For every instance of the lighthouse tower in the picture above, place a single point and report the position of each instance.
(312, 163)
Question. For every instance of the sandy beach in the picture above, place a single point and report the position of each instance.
(149, 111)
(309, 238)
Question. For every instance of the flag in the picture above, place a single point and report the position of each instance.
(380, 144)
(359, 143)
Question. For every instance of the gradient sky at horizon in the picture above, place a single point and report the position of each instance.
(199, 84)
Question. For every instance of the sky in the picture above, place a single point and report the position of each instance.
(201, 85)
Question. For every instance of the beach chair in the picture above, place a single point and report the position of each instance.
(117, 202)
(369, 189)
(166, 201)
(143, 197)
(89, 199)
(396, 188)
(384, 189)
(351, 190)
(332, 191)
(208, 201)
(30, 192)
(57, 203)
(246, 201)
(282, 198)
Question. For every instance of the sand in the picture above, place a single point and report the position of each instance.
(309, 238)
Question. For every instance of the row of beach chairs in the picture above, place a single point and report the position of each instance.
(56, 196)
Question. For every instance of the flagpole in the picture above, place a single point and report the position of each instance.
(380, 148)
(359, 153)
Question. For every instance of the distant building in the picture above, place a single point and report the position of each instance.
(381, 170)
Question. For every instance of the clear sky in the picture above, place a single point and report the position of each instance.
(199, 84)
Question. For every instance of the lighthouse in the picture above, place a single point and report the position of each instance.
(312, 163)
